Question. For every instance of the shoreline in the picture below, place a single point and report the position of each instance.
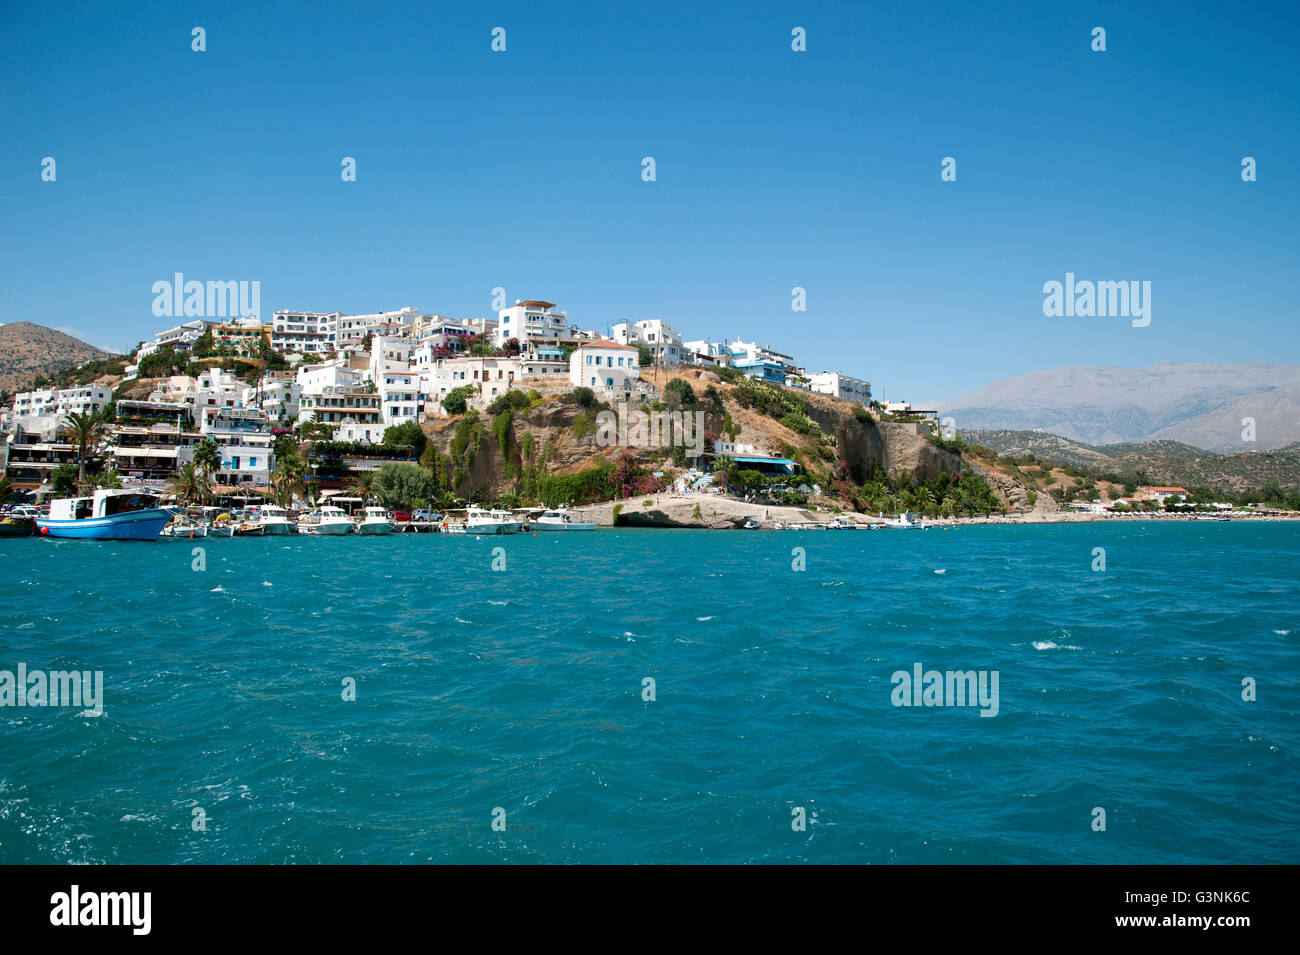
(695, 511)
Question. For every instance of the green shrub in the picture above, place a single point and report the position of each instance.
(679, 395)
(457, 400)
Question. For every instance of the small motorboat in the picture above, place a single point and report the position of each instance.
(272, 518)
(327, 521)
(558, 519)
(183, 527)
(480, 521)
(374, 520)
(17, 525)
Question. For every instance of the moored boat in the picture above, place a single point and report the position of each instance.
(272, 519)
(374, 520)
(479, 521)
(110, 514)
(17, 525)
(327, 521)
(558, 519)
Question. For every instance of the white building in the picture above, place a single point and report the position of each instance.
(244, 437)
(531, 321)
(393, 372)
(214, 388)
(704, 352)
(295, 332)
(605, 365)
(660, 337)
(490, 376)
(352, 329)
(840, 386)
(277, 398)
(61, 402)
(180, 337)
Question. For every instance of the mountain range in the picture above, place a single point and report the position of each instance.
(1155, 462)
(1206, 406)
(28, 350)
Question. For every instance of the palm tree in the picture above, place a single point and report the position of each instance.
(287, 477)
(363, 485)
(6, 490)
(190, 484)
(723, 466)
(84, 429)
(207, 457)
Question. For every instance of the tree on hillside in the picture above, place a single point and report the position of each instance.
(84, 430)
(406, 433)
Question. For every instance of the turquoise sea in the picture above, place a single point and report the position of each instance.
(522, 690)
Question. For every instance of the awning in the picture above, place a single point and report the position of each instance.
(765, 461)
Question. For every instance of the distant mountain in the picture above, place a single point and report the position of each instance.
(28, 350)
(1201, 405)
(1155, 462)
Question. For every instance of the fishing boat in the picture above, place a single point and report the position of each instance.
(907, 520)
(558, 519)
(480, 521)
(751, 524)
(110, 514)
(272, 519)
(221, 526)
(374, 521)
(182, 526)
(327, 521)
(17, 525)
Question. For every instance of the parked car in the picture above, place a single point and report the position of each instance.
(426, 514)
(401, 517)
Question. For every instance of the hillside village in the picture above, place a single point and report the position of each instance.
(422, 409)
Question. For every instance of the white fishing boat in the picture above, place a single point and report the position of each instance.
(374, 520)
(272, 519)
(558, 519)
(327, 521)
(480, 521)
(182, 526)
(907, 520)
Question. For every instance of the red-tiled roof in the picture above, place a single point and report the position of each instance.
(606, 343)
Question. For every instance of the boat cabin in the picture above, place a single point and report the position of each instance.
(105, 503)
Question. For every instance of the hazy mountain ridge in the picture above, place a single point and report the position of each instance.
(28, 350)
(1155, 462)
(1202, 405)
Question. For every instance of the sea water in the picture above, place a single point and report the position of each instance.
(508, 714)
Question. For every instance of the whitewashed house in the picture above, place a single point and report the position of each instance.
(604, 365)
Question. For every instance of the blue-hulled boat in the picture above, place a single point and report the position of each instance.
(111, 514)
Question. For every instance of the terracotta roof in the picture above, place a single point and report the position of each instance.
(605, 343)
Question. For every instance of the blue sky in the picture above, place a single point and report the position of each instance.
(775, 169)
